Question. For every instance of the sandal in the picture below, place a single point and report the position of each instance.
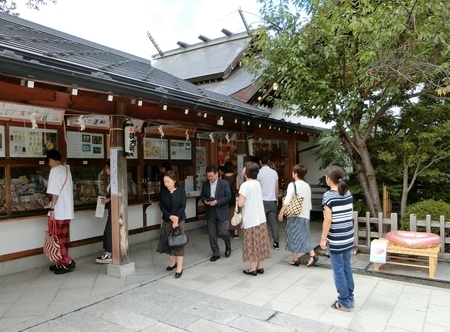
(315, 260)
(296, 263)
(336, 305)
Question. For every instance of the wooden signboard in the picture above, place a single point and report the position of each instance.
(20, 112)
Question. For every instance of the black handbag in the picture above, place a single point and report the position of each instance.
(177, 238)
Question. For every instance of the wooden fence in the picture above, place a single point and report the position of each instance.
(428, 224)
(367, 228)
(366, 231)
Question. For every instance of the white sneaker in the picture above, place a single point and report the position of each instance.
(104, 259)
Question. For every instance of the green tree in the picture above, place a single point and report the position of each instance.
(350, 62)
(10, 7)
(413, 146)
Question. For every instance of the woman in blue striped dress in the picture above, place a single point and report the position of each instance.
(338, 235)
(297, 228)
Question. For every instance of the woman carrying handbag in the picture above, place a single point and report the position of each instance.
(233, 181)
(106, 258)
(61, 210)
(297, 226)
(255, 245)
(173, 206)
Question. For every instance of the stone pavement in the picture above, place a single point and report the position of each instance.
(218, 296)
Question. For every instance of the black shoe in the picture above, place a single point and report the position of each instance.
(315, 260)
(170, 268)
(260, 271)
(71, 265)
(276, 245)
(251, 273)
(62, 269)
(178, 274)
(214, 258)
(227, 253)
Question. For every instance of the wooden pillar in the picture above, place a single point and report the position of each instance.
(121, 266)
(290, 161)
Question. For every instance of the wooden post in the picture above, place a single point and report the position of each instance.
(442, 233)
(290, 161)
(241, 144)
(387, 202)
(356, 228)
(368, 229)
(380, 225)
(394, 221)
(119, 198)
(428, 223)
(412, 222)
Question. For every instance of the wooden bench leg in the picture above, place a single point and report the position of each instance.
(432, 266)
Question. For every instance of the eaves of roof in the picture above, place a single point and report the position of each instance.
(239, 79)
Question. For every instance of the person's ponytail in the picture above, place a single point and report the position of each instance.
(336, 174)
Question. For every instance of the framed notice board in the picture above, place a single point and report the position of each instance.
(180, 150)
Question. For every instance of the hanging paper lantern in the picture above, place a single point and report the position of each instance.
(129, 138)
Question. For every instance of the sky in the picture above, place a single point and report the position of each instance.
(123, 25)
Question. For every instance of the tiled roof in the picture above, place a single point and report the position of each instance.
(22, 42)
(238, 80)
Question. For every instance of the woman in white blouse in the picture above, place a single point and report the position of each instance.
(297, 227)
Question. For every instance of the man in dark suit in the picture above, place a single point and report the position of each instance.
(215, 195)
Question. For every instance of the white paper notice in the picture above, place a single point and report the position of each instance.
(113, 176)
(100, 210)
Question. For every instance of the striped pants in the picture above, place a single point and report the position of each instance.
(62, 231)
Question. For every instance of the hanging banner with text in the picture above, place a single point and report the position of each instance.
(22, 112)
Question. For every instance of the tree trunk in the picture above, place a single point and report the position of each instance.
(405, 191)
(363, 166)
(369, 174)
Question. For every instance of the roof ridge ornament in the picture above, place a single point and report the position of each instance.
(182, 44)
(226, 32)
(204, 38)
